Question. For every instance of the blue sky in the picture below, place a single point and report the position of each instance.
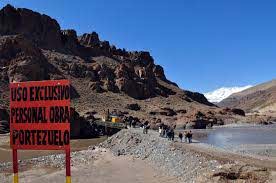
(202, 45)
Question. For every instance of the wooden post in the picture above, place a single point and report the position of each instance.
(15, 165)
(68, 169)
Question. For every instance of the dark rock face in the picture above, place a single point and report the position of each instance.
(4, 115)
(143, 57)
(21, 61)
(75, 123)
(201, 120)
(233, 111)
(159, 72)
(238, 111)
(96, 86)
(197, 124)
(110, 86)
(91, 40)
(164, 112)
(200, 98)
(4, 121)
(70, 41)
(41, 29)
(80, 127)
(169, 111)
(134, 107)
(137, 90)
(139, 83)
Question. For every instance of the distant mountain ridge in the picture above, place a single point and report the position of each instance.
(260, 98)
(223, 92)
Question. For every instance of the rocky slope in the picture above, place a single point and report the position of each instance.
(259, 99)
(33, 47)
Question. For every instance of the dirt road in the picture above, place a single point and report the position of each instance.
(106, 169)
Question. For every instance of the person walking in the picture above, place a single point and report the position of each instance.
(129, 123)
(160, 131)
(186, 136)
(146, 127)
(172, 135)
(166, 133)
(190, 136)
(180, 135)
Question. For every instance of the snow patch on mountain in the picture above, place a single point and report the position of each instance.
(224, 92)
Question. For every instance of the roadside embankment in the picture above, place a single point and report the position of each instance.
(189, 162)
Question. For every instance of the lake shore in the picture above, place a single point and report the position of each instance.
(259, 140)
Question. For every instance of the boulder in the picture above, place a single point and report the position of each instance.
(235, 173)
(110, 86)
(91, 75)
(134, 107)
(238, 111)
(96, 67)
(105, 73)
(96, 86)
(169, 111)
(77, 70)
(122, 71)
(197, 124)
(181, 111)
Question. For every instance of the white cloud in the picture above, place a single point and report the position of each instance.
(222, 93)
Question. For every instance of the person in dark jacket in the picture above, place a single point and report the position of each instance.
(146, 126)
(180, 135)
(172, 135)
(186, 136)
(190, 136)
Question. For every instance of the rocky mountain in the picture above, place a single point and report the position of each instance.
(129, 83)
(260, 98)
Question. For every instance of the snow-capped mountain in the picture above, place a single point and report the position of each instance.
(222, 93)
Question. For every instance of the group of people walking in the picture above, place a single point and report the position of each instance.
(168, 132)
(188, 136)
